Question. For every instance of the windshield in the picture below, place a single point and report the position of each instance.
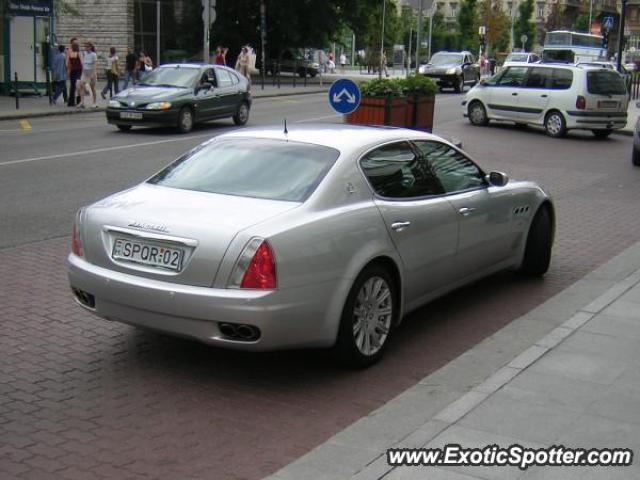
(446, 58)
(605, 82)
(517, 57)
(269, 169)
(172, 77)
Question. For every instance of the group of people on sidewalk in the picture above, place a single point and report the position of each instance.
(79, 68)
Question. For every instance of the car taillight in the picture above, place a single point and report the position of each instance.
(76, 241)
(261, 273)
(581, 102)
(256, 267)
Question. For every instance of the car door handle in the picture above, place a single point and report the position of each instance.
(466, 211)
(399, 226)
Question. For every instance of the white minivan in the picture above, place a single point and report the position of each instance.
(555, 96)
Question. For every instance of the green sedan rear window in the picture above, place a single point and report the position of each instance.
(269, 169)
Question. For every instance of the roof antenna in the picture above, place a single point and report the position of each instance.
(285, 127)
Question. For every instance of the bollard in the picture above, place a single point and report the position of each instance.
(306, 67)
(295, 72)
(278, 74)
(16, 91)
(49, 89)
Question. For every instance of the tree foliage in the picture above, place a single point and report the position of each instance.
(525, 26)
(468, 25)
(581, 23)
(498, 25)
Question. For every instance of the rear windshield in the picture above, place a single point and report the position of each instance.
(269, 169)
(604, 82)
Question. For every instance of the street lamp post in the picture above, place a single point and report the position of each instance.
(384, 7)
(590, 13)
(419, 36)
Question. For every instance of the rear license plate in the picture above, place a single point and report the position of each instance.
(607, 104)
(131, 115)
(148, 254)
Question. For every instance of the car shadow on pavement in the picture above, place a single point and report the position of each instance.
(217, 126)
(507, 126)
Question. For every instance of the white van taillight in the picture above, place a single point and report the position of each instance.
(76, 241)
(256, 267)
(581, 102)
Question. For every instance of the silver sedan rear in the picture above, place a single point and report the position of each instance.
(324, 236)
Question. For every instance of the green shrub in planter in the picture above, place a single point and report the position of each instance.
(381, 87)
(418, 85)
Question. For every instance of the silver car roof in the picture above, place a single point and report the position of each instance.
(342, 137)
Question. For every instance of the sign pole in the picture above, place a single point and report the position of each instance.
(206, 9)
(621, 34)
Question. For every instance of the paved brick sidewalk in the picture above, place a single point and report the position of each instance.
(577, 386)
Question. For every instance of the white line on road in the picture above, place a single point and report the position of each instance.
(105, 149)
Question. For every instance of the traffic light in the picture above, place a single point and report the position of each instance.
(605, 39)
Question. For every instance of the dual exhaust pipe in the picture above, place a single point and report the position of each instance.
(239, 332)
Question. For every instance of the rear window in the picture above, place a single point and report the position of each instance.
(269, 169)
(603, 82)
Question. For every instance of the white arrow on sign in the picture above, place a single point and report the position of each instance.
(337, 97)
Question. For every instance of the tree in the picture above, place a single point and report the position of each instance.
(581, 24)
(498, 25)
(468, 25)
(524, 25)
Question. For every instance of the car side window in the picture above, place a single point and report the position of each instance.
(455, 172)
(539, 78)
(513, 77)
(395, 171)
(561, 79)
(208, 77)
(224, 78)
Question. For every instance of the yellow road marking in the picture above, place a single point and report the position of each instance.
(25, 125)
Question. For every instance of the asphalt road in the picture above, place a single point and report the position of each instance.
(84, 398)
(65, 162)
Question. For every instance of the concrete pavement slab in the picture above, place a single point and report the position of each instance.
(582, 473)
(579, 366)
(622, 327)
(503, 415)
(427, 473)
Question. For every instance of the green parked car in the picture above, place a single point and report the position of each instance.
(181, 95)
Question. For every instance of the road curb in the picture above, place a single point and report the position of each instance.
(76, 111)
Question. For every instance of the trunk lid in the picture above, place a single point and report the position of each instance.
(196, 228)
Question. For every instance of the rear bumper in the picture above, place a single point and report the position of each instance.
(151, 118)
(442, 79)
(596, 120)
(292, 318)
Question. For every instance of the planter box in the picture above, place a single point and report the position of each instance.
(415, 111)
(388, 111)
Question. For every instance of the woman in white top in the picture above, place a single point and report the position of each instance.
(89, 74)
(113, 74)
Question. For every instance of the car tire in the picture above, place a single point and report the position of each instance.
(354, 346)
(537, 253)
(602, 133)
(123, 128)
(635, 157)
(555, 125)
(477, 114)
(185, 120)
(241, 117)
(459, 86)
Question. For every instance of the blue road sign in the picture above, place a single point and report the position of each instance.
(344, 96)
(607, 23)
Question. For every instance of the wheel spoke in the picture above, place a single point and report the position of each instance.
(384, 311)
(382, 328)
(383, 297)
(367, 343)
(357, 327)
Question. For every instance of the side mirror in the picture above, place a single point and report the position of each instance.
(497, 179)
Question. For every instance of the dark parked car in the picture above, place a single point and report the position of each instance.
(293, 61)
(452, 69)
(182, 95)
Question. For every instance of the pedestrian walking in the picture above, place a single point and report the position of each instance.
(89, 75)
(131, 68)
(242, 64)
(145, 65)
(74, 67)
(383, 65)
(492, 65)
(221, 56)
(59, 71)
(483, 65)
(113, 74)
(331, 62)
(343, 62)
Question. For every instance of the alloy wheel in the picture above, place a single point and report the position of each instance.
(372, 315)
